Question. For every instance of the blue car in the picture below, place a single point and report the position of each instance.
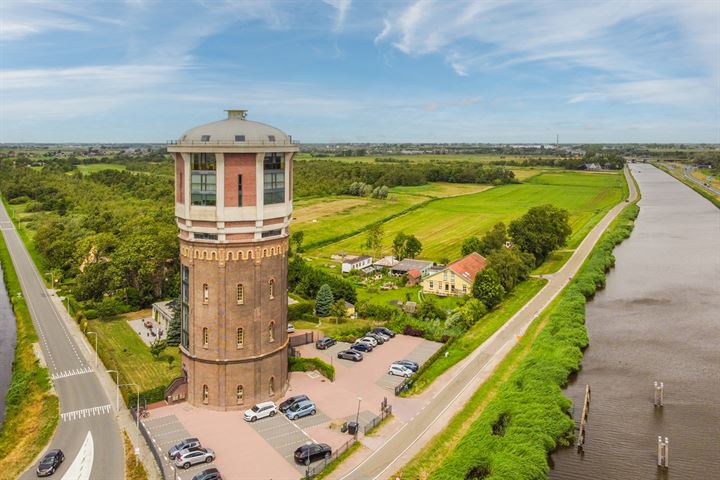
(301, 409)
(362, 347)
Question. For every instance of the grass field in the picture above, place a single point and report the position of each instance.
(426, 157)
(553, 263)
(121, 349)
(443, 224)
(96, 167)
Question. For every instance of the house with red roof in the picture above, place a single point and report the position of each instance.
(457, 278)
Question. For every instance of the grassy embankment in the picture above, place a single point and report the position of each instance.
(32, 409)
(677, 173)
(121, 349)
(134, 470)
(520, 414)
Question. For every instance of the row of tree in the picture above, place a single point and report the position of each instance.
(361, 189)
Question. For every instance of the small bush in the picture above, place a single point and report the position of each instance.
(297, 364)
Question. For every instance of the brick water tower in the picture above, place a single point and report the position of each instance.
(233, 204)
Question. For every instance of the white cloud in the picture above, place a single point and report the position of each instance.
(678, 92)
(341, 9)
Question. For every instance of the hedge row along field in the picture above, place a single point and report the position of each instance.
(32, 410)
(530, 416)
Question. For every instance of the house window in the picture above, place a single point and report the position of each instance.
(206, 394)
(240, 338)
(239, 138)
(239, 190)
(445, 275)
(206, 293)
(271, 138)
(431, 284)
(205, 138)
(271, 386)
(446, 286)
(464, 288)
(271, 331)
(206, 337)
(203, 179)
(271, 233)
(274, 178)
(239, 394)
(271, 288)
(185, 307)
(240, 294)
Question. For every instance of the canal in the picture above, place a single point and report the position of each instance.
(657, 319)
(7, 344)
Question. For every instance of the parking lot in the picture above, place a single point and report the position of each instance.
(264, 449)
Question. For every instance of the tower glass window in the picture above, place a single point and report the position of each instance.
(206, 293)
(203, 180)
(240, 338)
(239, 190)
(274, 178)
(240, 294)
(271, 288)
(185, 308)
(271, 386)
(206, 394)
(239, 394)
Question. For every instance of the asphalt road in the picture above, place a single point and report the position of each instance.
(477, 368)
(87, 432)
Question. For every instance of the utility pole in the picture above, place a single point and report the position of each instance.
(117, 390)
(357, 418)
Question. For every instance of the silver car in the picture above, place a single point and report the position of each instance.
(194, 456)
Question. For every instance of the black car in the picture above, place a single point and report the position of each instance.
(361, 347)
(49, 463)
(409, 364)
(384, 331)
(183, 445)
(377, 337)
(325, 342)
(353, 355)
(287, 404)
(208, 474)
(307, 454)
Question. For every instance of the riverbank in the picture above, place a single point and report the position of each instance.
(7, 344)
(32, 410)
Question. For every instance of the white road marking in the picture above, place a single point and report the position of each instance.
(82, 465)
(85, 412)
(71, 373)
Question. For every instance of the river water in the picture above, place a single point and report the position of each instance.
(7, 344)
(657, 319)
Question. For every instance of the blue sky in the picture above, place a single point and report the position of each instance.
(357, 71)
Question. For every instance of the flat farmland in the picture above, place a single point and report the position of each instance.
(443, 224)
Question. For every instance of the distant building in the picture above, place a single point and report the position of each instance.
(356, 263)
(410, 307)
(414, 277)
(403, 267)
(385, 262)
(350, 309)
(163, 312)
(455, 279)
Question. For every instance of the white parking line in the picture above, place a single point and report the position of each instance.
(85, 412)
(71, 373)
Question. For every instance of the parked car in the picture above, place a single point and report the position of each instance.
(261, 410)
(301, 409)
(291, 401)
(367, 341)
(384, 331)
(50, 462)
(208, 474)
(362, 347)
(409, 364)
(399, 370)
(374, 334)
(194, 456)
(307, 454)
(353, 355)
(183, 445)
(291, 328)
(378, 338)
(325, 342)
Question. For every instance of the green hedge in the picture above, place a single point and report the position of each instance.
(152, 395)
(530, 416)
(301, 311)
(298, 364)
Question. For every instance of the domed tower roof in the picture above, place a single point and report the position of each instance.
(235, 130)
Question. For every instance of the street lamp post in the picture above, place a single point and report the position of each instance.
(357, 418)
(137, 416)
(88, 332)
(117, 390)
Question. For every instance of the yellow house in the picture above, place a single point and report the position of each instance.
(457, 278)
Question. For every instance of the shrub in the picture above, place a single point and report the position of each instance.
(91, 314)
(297, 364)
(301, 311)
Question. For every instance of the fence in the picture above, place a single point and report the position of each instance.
(405, 385)
(148, 440)
(302, 339)
(314, 470)
(387, 411)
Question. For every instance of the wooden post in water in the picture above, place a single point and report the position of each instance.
(663, 459)
(659, 394)
(583, 419)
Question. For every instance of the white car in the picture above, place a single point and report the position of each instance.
(291, 328)
(368, 341)
(399, 370)
(261, 410)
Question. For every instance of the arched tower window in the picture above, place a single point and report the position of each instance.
(206, 337)
(240, 338)
(271, 288)
(206, 394)
(240, 294)
(239, 395)
(271, 331)
(271, 386)
(206, 293)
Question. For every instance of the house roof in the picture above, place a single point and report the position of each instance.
(409, 264)
(388, 261)
(359, 259)
(167, 307)
(414, 272)
(468, 267)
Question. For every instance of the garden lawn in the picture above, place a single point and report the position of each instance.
(122, 349)
(442, 225)
(553, 263)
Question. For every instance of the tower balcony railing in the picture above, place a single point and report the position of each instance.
(248, 142)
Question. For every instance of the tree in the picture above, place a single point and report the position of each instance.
(470, 245)
(512, 266)
(157, 347)
(541, 230)
(398, 246)
(173, 333)
(375, 238)
(413, 247)
(324, 301)
(297, 238)
(429, 310)
(338, 310)
(487, 288)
